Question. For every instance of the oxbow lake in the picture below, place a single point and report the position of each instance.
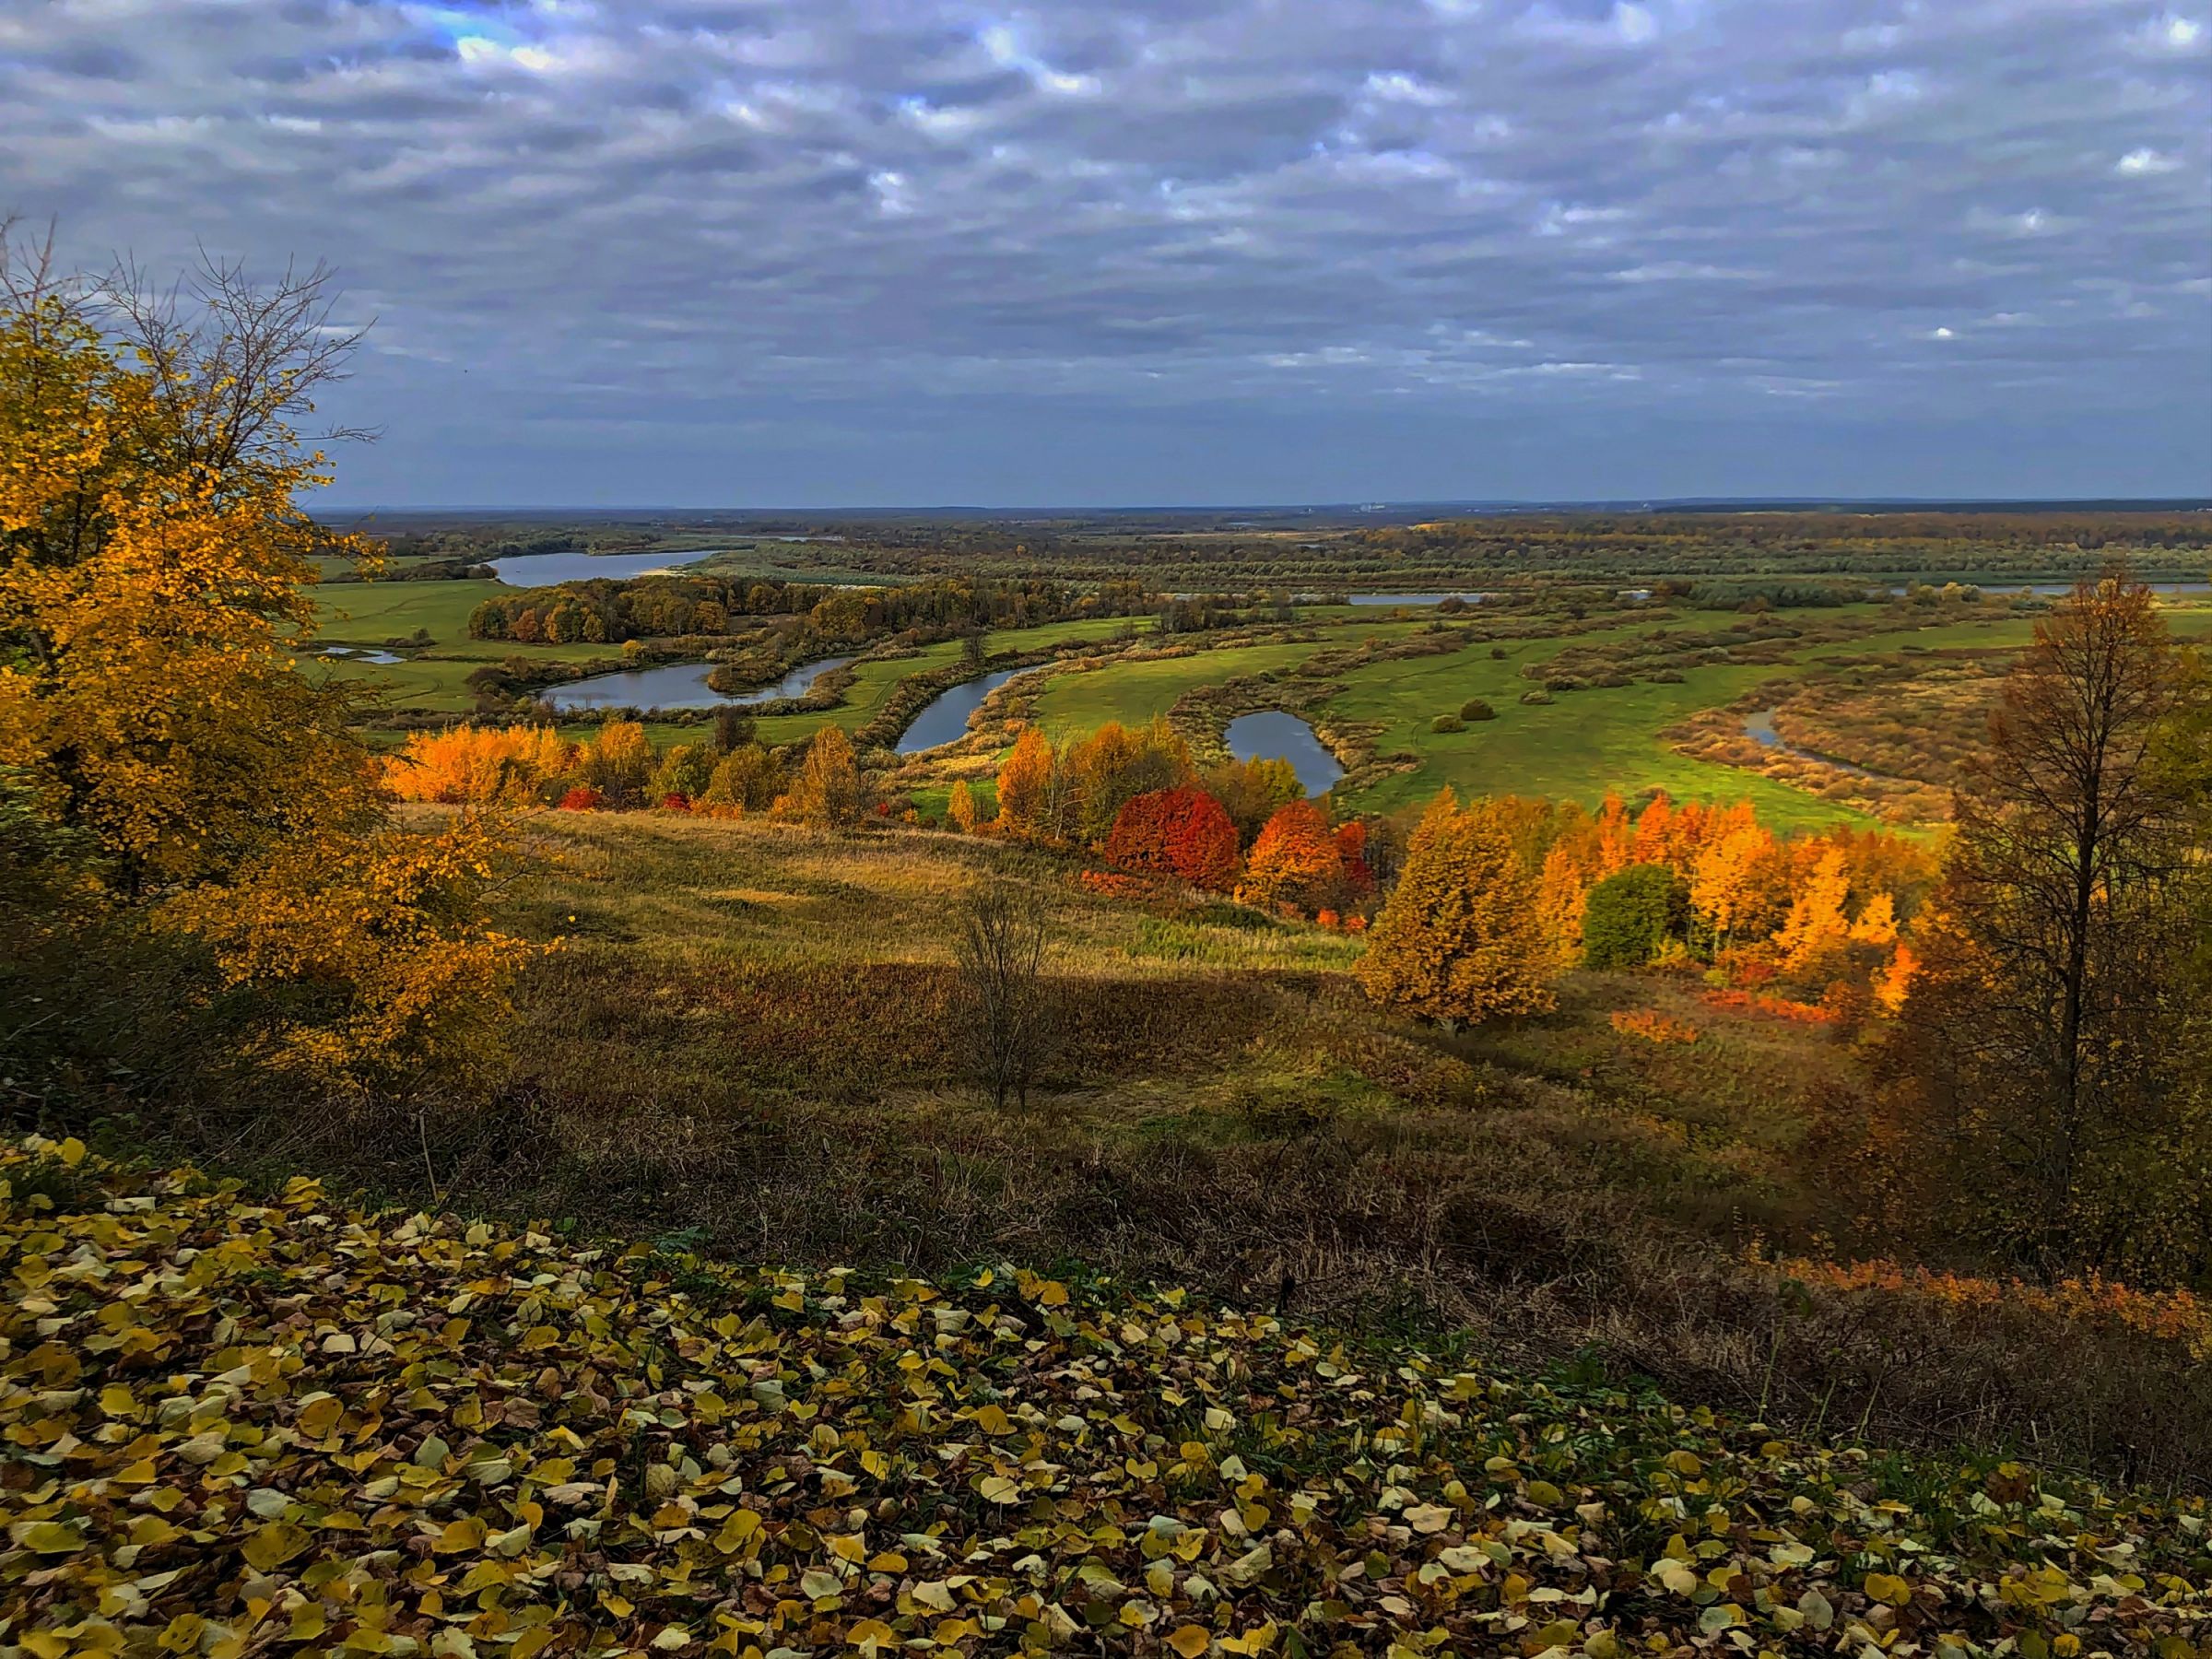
(678, 686)
(945, 718)
(1275, 735)
(1413, 598)
(546, 569)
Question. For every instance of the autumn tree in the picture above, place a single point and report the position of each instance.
(747, 779)
(959, 807)
(618, 763)
(683, 774)
(1815, 925)
(1113, 766)
(1296, 861)
(1460, 940)
(1562, 891)
(2042, 1049)
(1032, 793)
(1725, 879)
(156, 572)
(1183, 832)
(826, 790)
(1007, 1015)
(1251, 791)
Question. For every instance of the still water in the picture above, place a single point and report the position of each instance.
(944, 719)
(677, 686)
(1275, 735)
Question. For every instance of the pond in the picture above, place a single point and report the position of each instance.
(546, 570)
(1275, 735)
(1413, 598)
(677, 686)
(944, 719)
(362, 653)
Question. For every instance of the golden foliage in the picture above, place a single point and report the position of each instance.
(479, 765)
(155, 578)
(826, 791)
(1460, 939)
(378, 942)
(959, 807)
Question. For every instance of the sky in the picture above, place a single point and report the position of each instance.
(886, 252)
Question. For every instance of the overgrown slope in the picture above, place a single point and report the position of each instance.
(235, 1425)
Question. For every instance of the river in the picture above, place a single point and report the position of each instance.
(945, 717)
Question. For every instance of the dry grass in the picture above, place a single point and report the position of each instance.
(747, 1038)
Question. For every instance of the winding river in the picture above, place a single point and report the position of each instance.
(677, 686)
(944, 719)
(1275, 735)
(1759, 725)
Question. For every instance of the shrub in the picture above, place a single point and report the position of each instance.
(1652, 1025)
(1476, 709)
(1536, 697)
(1630, 917)
(582, 798)
(1447, 722)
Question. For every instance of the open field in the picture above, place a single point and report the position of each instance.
(433, 678)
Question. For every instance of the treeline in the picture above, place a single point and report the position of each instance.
(605, 612)
(616, 769)
(1134, 796)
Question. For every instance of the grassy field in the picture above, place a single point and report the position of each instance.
(433, 678)
(1577, 748)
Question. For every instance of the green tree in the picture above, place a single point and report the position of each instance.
(1629, 917)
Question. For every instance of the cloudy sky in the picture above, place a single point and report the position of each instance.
(919, 251)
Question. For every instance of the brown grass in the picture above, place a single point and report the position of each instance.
(746, 1036)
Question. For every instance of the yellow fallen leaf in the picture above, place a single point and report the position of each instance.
(268, 1548)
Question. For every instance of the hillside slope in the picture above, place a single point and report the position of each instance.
(237, 1424)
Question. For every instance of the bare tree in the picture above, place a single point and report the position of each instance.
(1006, 933)
(2044, 1040)
(244, 358)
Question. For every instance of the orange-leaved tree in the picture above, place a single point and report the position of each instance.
(1296, 861)
(1460, 940)
(155, 570)
(1031, 789)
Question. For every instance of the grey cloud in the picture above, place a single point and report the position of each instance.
(1233, 220)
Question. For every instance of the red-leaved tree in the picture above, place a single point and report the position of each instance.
(1183, 832)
